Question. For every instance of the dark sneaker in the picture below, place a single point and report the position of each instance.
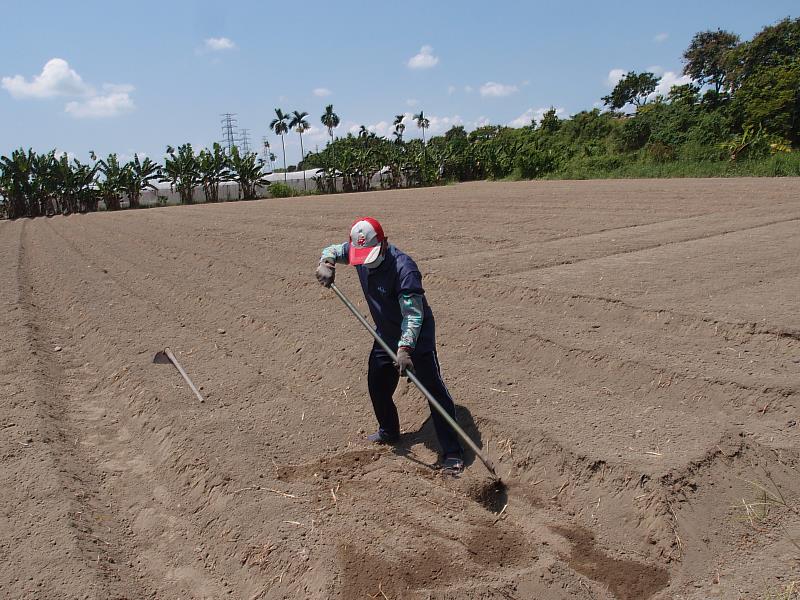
(379, 437)
(453, 465)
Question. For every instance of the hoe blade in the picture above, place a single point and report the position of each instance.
(161, 358)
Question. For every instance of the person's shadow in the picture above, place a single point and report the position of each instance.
(426, 435)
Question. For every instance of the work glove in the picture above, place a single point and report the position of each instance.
(404, 360)
(326, 273)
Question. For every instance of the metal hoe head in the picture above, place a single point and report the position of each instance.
(161, 358)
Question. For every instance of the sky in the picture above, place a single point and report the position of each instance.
(136, 77)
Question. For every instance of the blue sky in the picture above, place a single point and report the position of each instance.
(134, 77)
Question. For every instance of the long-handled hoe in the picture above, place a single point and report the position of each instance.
(450, 421)
(165, 357)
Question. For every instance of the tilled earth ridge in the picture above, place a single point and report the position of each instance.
(627, 351)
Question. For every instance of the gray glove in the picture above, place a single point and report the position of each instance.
(404, 360)
(326, 273)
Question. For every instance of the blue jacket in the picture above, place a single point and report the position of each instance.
(397, 279)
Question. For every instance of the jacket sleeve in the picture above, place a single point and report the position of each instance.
(411, 309)
(337, 253)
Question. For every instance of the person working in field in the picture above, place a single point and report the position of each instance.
(392, 286)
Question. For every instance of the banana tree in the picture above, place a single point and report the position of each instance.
(347, 166)
(300, 125)
(16, 183)
(44, 183)
(214, 168)
(280, 126)
(114, 182)
(247, 172)
(141, 175)
(77, 185)
(182, 172)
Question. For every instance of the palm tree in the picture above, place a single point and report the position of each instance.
(423, 123)
(399, 126)
(331, 120)
(280, 127)
(300, 125)
(267, 153)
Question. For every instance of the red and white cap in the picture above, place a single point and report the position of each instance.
(366, 238)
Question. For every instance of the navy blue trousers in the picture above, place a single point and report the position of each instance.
(382, 381)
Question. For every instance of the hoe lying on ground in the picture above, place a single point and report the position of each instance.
(165, 357)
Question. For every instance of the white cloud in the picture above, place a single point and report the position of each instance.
(660, 38)
(412, 102)
(70, 155)
(437, 126)
(615, 76)
(102, 106)
(217, 44)
(469, 89)
(451, 89)
(442, 124)
(322, 92)
(59, 79)
(315, 134)
(117, 88)
(56, 79)
(533, 113)
(425, 59)
(128, 156)
(668, 79)
(382, 128)
(497, 90)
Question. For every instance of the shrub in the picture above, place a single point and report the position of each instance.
(279, 189)
(660, 152)
(633, 135)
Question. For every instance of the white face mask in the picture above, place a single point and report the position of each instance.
(377, 262)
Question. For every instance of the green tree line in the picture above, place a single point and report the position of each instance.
(34, 185)
(739, 116)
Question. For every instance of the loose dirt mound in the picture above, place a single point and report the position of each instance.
(626, 352)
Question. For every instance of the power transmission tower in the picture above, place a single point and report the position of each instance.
(244, 139)
(229, 125)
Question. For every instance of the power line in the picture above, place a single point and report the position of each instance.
(244, 139)
(229, 125)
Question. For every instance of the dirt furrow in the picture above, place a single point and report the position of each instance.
(641, 403)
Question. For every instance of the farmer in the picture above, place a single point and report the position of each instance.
(392, 286)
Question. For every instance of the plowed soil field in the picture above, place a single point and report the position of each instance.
(628, 352)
